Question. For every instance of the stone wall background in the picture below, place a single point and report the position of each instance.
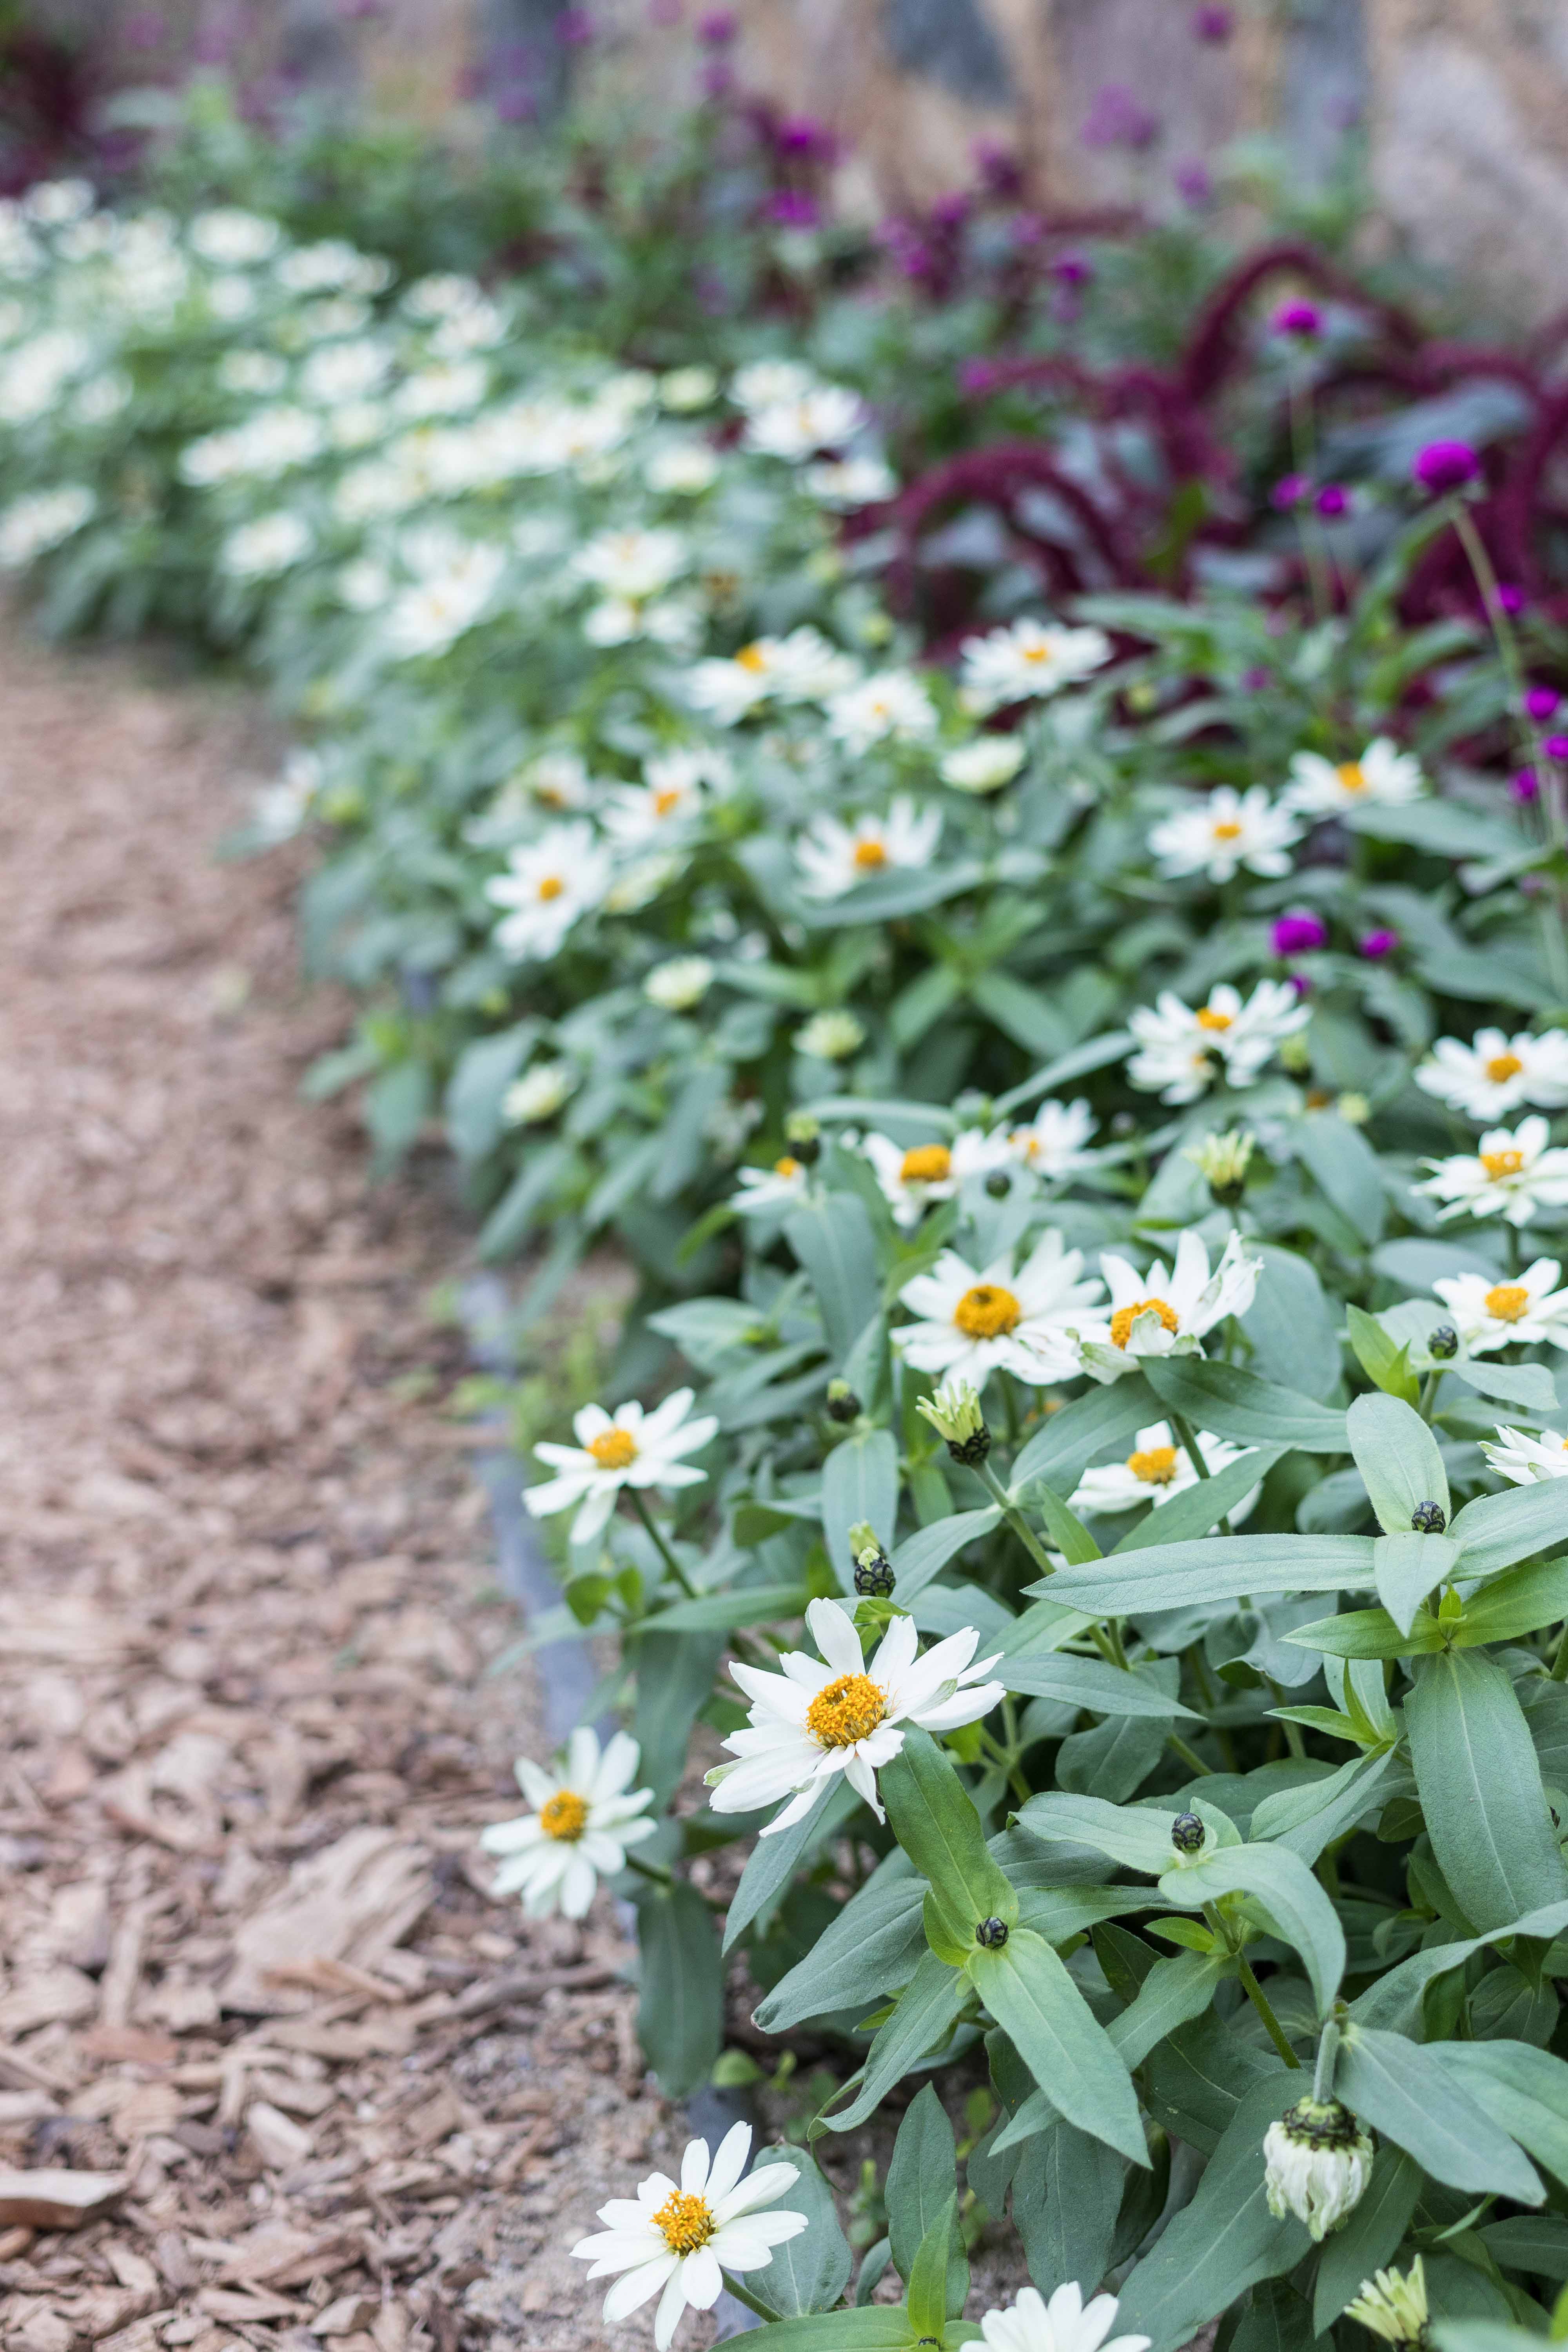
(1463, 103)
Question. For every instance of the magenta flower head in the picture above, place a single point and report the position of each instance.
(1194, 184)
(1298, 934)
(1556, 747)
(574, 28)
(1256, 679)
(1541, 701)
(803, 134)
(1298, 981)
(1116, 119)
(1302, 319)
(978, 377)
(1212, 23)
(1289, 492)
(1333, 501)
(1525, 785)
(1445, 466)
(718, 28)
(1510, 597)
(1377, 944)
(999, 168)
(791, 208)
(1071, 269)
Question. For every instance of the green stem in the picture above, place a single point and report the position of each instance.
(743, 2295)
(1428, 1395)
(1013, 1516)
(1559, 1663)
(1189, 1756)
(1293, 1740)
(1328, 2051)
(661, 1547)
(1259, 2000)
(1186, 1437)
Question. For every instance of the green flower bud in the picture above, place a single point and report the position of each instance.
(842, 1403)
(955, 1414)
(1222, 1161)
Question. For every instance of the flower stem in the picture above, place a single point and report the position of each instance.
(743, 2295)
(1328, 2051)
(1559, 1663)
(1187, 1438)
(1259, 2000)
(1013, 1516)
(1189, 1756)
(661, 1547)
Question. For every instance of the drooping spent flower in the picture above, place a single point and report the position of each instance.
(583, 1819)
(1318, 2160)
(631, 1449)
(1162, 1313)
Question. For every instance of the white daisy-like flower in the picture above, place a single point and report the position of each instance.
(583, 1819)
(825, 417)
(231, 238)
(271, 544)
(684, 470)
(1522, 1459)
(1156, 1469)
(42, 519)
(547, 886)
(677, 2243)
(1511, 1176)
(539, 1094)
(1526, 1308)
(1053, 1144)
(555, 780)
(770, 384)
(1182, 1048)
(1028, 1319)
(911, 1178)
(770, 1191)
(1225, 832)
(844, 483)
(634, 564)
(1169, 1313)
(804, 666)
(684, 389)
(1320, 788)
(1027, 661)
(678, 984)
(1318, 2161)
(833, 856)
(434, 611)
(892, 707)
(1494, 1074)
(629, 1449)
(985, 765)
(675, 793)
(815, 1719)
(1066, 2324)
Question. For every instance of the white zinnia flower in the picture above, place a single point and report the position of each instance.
(985, 765)
(675, 792)
(830, 1037)
(633, 1449)
(438, 609)
(1494, 1073)
(785, 1185)
(684, 470)
(1526, 1308)
(1156, 1469)
(1522, 1458)
(1170, 1313)
(677, 985)
(547, 886)
(230, 238)
(1318, 2161)
(42, 519)
(260, 549)
(1228, 830)
(1052, 1145)
(582, 1820)
(539, 1094)
(832, 857)
(768, 384)
(1179, 1045)
(1026, 661)
(847, 482)
(1066, 2324)
(825, 417)
(1510, 1176)
(844, 1715)
(633, 564)
(1319, 788)
(677, 2243)
(891, 707)
(911, 1179)
(804, 666)
(1026, 1319)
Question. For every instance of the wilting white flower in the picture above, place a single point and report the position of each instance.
(1053, 1144)
(892, 707)
(824, 416)
(1393, 2306)
(1522, 1458)
(1026, 661)
(548, 884)
(1170, 1313)
(230, 238)
(434, 611)
(911, 1178)
(272, 543)
(1320, 788)
(765, 1191)
(684, 389)
(1066, 2324)
(1526, 1308)
(1511, 1176)
(769, 384)
(1182, 1048)
(1224, 832)
(42, 519)
(683, 471)
(582, 1820)
(845, 482)
(677, 2243)
(633, 1449)
(677, 985)
(539, 1094)
(1156, 1469)
(831, 1036)
(844, 1715)
(804, 666)
(1026, 1319)
(833, 856)
(985, 765)
(1494, 1074)
(632, 564)
(1318, 2161)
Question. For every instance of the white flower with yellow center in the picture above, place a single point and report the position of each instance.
(912, 1176)
(436, 611)
(1053, 1144)
(629, 1449)
(583, 1819)
(677, 2243)
(635, 564)
(824, 416)
(833, 857)
(1218, 836)
(1511, 1176)
(262, 549)
(1183, 1048)
(1324, 788)
(1522, 1459)
(1066, 2324)
(637, 813)
(1026, 1319)
(1526, 1308)
(892, 707)
(1156, 1469)
(815, 1720)
(804, 666)
(1026, 662)
(1494, 1074)
(770, 1190)
(844, 483)
(769, 384)
(1169, 1313)
(985, 765)
(548, 884)
(683, 470)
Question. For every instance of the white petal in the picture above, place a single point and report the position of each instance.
(694, 2167)
(833, 1631)
(630, 2293)
(729, 2164)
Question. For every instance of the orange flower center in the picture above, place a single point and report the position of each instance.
(786, 1166)
(1209, 1019)
(1154, 1467)
(685, 2223)
(752, 657)
(1123, 1319)
(1227, 830)
(1503, 1066)
(564, 1816)
(986, 1311)
(1499, 1165)
(846, 1710)
(551, 886)
(1037, 653)
(664, 801)
(1318, 1099)
(926, 1163)
(614, 1449)
(870, 853)
(1352, 776)
(1509, 1303)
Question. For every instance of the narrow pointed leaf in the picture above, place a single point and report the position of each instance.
(1039, 2006)
(1481, 1789)
(1405, 2092)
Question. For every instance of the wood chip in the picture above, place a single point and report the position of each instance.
(279, 2141)
(58, 2200)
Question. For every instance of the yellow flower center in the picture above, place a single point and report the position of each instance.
(1509, 1303)
(1123, 1319)
(1154, 1467)
(1503, 1066)
(752, 657)
(1318, 1099)
(986, 1311)
(551, 886)
(614, 1449)
(1209, 1019)
(1352, 776)
(926, 1163)
(1227, 830)
(846, 1710)
(664, 801)
(1502, 1163)
(870, 853)
(786, 1166)
(564, 1816)
(1037, 653)
(685, 2223)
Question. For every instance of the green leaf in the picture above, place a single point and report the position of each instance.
(1067, 2193)
(1304, 1820)
(1239, 1405)
(1284, 1894)
(1172, 1992)
(1518, 1601)
(1291, 1324)
(872, 1947)
(1104, 1420)
(1523, 2089)
(1481, 1789)
(1202, 1506)
(772, 1862)
(879, 2327)
(1367, 1633)
(923, 2017)
(930, 2272)
(1398, 1456)
(1381, 1357)
(1063, 1526)
(1137, 1836)
(1407, 1568)
(1031, 1996)
(718, 1612)
(1404, 2091)
(811, 2272)
(1528, 1386)
(921, 1556)
(1369, 2237)
(859, 1481)
(1393, 2001)
(833, 1241)
(919, 2191)
(1497, 1529)
(1537, 2243)
(1215, 1568)
(935, 1821)
(680, 2013)
(1087, 1682)
(1345, 1167)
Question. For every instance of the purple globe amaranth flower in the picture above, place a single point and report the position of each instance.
(1524, 786)
(1072, 270)
(1510, 597)
(1298, 981)
(1333, 500)
(803, 134)
(1000, 170)
(574, 28)
(1556, 747)
(1299, 933)
(1212, 23)
(716, 80)
(1376, 945)
(978, 377)
(1297, 319)
(1194, 184)
(1116, 119)
(720, 25)
(1254, 680)
(1289, 492)
(792, 209)
(664, 11)
(1541, 701)
(1445, 466)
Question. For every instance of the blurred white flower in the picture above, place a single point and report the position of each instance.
(684, 389)
(844, 483)
(985, 765)
(785, 1185)
(252, 371)
(548, 885)
(42, 519)
(684, 470)
(363, 585)
(281, 808)
(824, 417)
(1025, 661)
(677, 984)
(581, 1820)
(833, 856)
(1320, 788)
(632, 564)
(1224, 832)
(630, 1448)
(271, 544)
(891, 707)
(911, 1178)
(433, 612)
(769, 384)
(1054, 1144)
(231, 238)
(830, 1037)
(53, 203)
(804, 666)
(539, 1094)
(1511, 1176)
(344, 371)
(1182, 1048)
(1494, 1074)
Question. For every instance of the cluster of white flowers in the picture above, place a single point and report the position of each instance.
(1182, 1048)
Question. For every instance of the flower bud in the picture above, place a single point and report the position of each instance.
(955, 1414)
(1428, 1519)
(1222, 1161)
(1443, 1342)
(804, 1137)
(992, 1933)
(998, 1184)
(874, 1577)
(842, 1403)
(1187, 1834)
(1393, 2305)
(1318, 2161)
